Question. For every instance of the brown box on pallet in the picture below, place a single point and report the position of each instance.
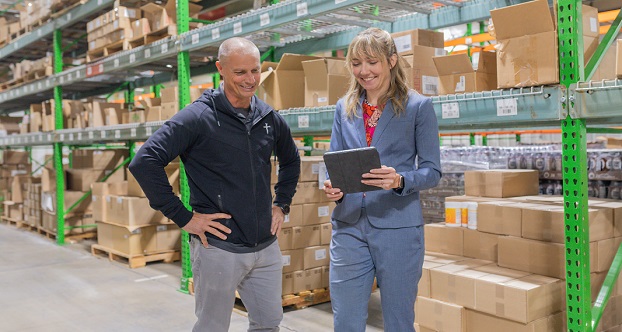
(307, 279)
(501, 183)
(294, 218)
(140, 28)
(441, 316)
(168, 237)
(130, 240)
(326, 80)
(480, 245)
(455, 283)
(500, 217)
(285, 238)
(325, 276)
(288, 283)
(326, 233)
(306, 236)
(12, 157)
(618, 58)
(98, 159)
(172, 172)
(444, 239)
(616, 208)
(81, 179)
(406, 40)
(132, 211)
(318, 213)
(424, 281)
(315, 257)
(48, 202)
(477, 321)
(14, 211)
(527, 45)
(310, 168)
(293, 260)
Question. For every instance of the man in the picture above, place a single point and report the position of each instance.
(225, 140)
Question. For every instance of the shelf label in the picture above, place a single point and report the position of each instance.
(133, 132)
(195, 38)
(339, 1)
(78, 74)
(40, 138)
(49, 137)
(101, 68)
(62, 137)
(39, 32)
(132, 58)
(79, 136)
(215, 33)
(117, 134)
(103, 134)
(32, 87)
(71, 137)
(264, 19)
(303, 121)
(90, 135)
(148, 131)
(68, 16)
(147, 53)
(507, 107)
(164, 48)
(237, 28)
(61, 79)
(89, 71)
(115, 63)
(450, 111)
(301, 9)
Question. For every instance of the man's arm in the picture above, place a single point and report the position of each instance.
(289, 163)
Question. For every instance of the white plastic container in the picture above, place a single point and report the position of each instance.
(472, 215)
(453, 214)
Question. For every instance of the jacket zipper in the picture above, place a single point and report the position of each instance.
(250, 155)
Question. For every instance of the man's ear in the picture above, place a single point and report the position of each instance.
(219, 67)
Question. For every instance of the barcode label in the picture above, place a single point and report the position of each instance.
(164, 48)
(507, 107)
(303, 121)
(450, 111)
(322, 211)
(215, 33)
(147, 53)
(264, 19)
(320, 254)
(117, 134)
(195, 39)
(90, 135)
(237, 28)
(429, 85)
(287, 260)
(402, 44)
(132, 58)
(133, 132)
(301, 9)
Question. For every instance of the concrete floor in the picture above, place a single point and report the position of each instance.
(46, 287)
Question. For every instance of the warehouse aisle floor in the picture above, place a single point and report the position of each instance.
(45, 287)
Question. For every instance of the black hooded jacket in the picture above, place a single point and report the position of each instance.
(228, 167)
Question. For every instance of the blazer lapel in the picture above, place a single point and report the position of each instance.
(359, 124)
(383, 122)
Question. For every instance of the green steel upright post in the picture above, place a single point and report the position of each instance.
(574, 154)
(183, 77)
(129, 96)
(58, 147)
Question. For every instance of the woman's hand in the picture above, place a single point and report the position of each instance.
(385, 178)
(333, 194)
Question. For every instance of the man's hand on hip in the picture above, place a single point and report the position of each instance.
(201, 223)
(277, 220)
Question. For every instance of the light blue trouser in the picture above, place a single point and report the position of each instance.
(257, 277)
(358, 253)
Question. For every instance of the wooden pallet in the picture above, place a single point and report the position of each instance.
(37, 74)
(134, 261)
(19, 33)
(18, 223)
(302, 299)
(108, 50)
(11, 84)
(60, 8)
(69, 238)
(152, 37)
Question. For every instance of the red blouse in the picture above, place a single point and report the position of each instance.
(371, 114)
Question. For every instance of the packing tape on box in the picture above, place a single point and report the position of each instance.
(526, 70)
(500, 310)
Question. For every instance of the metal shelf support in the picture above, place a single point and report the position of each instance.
(58, 147)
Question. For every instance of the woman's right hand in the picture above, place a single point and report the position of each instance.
(333, 194)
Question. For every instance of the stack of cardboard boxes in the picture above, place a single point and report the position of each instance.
(306, 232)
(14, 171)
(112, 29)
(33, 214)
(508, 273)
(35, 13)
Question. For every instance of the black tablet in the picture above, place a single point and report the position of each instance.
(346, 167)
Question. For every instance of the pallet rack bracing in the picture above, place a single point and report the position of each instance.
(574, 103)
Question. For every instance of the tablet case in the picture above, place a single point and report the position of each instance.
(346, 167)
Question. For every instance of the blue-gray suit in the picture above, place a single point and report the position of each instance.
(380, 233)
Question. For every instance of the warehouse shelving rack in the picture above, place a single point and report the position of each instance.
(294, 27)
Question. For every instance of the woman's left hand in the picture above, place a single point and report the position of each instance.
(385, 178)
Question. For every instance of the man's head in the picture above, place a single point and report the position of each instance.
(238, 64)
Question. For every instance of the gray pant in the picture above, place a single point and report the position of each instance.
(218, 273)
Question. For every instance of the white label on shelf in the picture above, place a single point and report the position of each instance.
(301, 9)
(322, 211)
(119, 200)
(321, 176)
(71, 137)
(303, 121)
(117, 134)
(264, 19)
(320, 254)
(132, 58)
(101, 68)
(450, 111)
(47, 82)
(133, 132)
(79, 136)
(215, 33)
(62, 137)
(148, 131)
(195, 38)
(49, 137)
(40, 138)
(594, 24)
(286, 219)
(78, 74)
(287, 260)
(115, 63)
(89, 71)
(237, 28)
(147, 53)
(507, 107)
(69, 76)
(339, 1)
(90, 135)
(164, 48)
(32, 87)
(39, 32)
(461, 84)
(102, 134)
(62, 79)
(68, 16)
(403, 43)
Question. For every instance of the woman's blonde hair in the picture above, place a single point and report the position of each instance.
(376, 44)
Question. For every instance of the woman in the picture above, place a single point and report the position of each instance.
(380, 233)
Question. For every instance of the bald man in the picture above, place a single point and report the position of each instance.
(225, 140)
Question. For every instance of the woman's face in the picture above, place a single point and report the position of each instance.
(373, 74)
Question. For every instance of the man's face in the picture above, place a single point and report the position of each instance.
(241, 74)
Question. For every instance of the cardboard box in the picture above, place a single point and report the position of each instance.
(168, 237)
(546, 223)
(406, 40)
(440, 316)
(455, 283)
(132, 211)
(606, 70)
(477, 321)
(442, 239)
(456, 73)
(616, 208)
(480, 245)
(326, 233)
(318, 213)
(309, 192)
(501, 183)
(294, 218)
(315, 257)
(523, 300)
(48, 202)
(12, 157)
(140, 28)
(130, 240)
(305, 236)
(542, 258)
(326, 80)
(307, 280)
(500, 217)
(424, 282)
(310, 168)
(288, 283)
(156, 16)
(81, 179)
(325, 276)
(293, 260)
(422, 74)
(285, 238)
(281, 87)
(527, 52)
(98, 159)
(172, 173)
(618, 58)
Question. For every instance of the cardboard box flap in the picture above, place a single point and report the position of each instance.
(337, 67)
(487, 63)
(151, 8)
(523, 19)
(453, 64)
(315, 68)
(171, 9)
(265, 75)
(293, 61)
